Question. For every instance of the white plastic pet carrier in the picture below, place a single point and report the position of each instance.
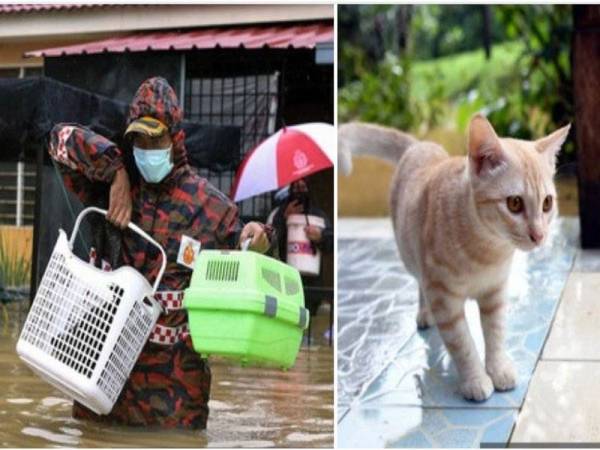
(87, 327)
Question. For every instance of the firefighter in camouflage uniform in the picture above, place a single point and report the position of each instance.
(170, 383)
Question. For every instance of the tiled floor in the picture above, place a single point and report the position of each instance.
(561, 406)
(396, 386)
(562, 403)
(575, 331)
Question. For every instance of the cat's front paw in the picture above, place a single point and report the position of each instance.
(424, 319)
(503, 374)
(478, 388)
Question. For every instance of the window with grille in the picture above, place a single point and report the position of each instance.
(9, 73)
(247, 101)
(17, 179)
(21, 72)
(17, 193)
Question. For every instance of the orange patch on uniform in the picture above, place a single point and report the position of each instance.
(188, 254)
(188, 250)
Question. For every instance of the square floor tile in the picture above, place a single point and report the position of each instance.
(575, 333)
(561, 405)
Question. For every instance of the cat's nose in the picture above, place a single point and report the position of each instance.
(536, 236)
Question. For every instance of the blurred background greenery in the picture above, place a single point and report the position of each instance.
(427, 69)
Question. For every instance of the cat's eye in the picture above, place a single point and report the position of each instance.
(547, 205)
(515, 204)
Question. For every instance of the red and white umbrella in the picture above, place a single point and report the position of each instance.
(292, 153)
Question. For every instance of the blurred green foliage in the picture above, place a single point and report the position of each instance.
(440, 30)
(379, 96)
(383, 95)
(431, 70)
(545, 98)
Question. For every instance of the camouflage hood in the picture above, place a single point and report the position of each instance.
(156, 98)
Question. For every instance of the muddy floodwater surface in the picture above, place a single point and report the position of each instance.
(249, 407)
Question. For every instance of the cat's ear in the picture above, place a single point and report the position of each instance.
(551, 144)
(485, 150)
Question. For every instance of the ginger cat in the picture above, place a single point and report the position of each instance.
(457, 222)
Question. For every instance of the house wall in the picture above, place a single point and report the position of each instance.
(123, 18)
(12, 51)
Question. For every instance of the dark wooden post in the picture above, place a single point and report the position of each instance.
(486, 29)
(586, 80)
(403, 19)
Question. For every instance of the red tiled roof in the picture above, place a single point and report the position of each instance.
(10, 8)
(276, 36)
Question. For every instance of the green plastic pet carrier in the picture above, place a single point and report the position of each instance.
(246, 306)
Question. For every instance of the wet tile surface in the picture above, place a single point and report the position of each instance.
(362, 228)
(561, 405)
(424, 427)
(574, 335)
(587, 261)
(385, 365)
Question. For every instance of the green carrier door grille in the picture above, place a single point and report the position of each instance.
(218, 270)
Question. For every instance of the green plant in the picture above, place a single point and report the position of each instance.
(441, 30)
(430, 106)
(14, 271)
(380, 96)
(366, 34)
(545, 98)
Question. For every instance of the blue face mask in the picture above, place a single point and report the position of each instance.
(154, 164)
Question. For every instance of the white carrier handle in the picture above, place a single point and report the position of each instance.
(246, 244)
(131, 225)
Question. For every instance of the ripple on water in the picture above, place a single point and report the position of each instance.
(19, 401)
(50, 436)
(216, 405)
(50, 402)
(71, 431)
(306, 437)
(241, 444)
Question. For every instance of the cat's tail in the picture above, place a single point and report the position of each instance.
(357, 138)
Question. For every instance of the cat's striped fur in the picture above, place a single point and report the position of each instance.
(457, 234)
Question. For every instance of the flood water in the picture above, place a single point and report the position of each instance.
(249, 407)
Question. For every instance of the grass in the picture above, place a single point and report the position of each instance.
(462, 72)
(14, 270)
(440, 93)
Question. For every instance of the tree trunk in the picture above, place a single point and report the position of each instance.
(403, 18)
(486, 12)
(586, 83)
